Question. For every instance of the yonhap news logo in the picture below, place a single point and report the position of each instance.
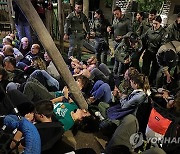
(136, 140)
(164, 140)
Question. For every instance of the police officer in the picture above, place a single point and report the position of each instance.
(152, 40)
(128, 52)
(146, 24)
(137, 21)
(101, 36)
(73, 29)
(173, 30)
(168, 59)
(120, 27)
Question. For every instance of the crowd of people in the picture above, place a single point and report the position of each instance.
(129, 99)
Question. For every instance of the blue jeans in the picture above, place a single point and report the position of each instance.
(102, 49)
(101, 91)
(24, 30)
(46, 79)
(117, 68)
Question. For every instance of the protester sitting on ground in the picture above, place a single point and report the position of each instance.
(3, 78)
(46, 80)
(96, 74)
(49, 128)
(92, 63)
(101, 92)
(18, 55)
(85, 85)
(91, 70)
(36, 64)
(68, 113)
(26, 61)
(24, 47)
(8, 51)
(124, 86)
(51, 69)
(35, 91)
(15, 41)
(130, 103)
(15, 75)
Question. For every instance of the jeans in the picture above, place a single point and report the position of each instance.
(35, 91)
(102, 48)
(24, 30)
(101, 91)
(96, 74)
(103, 68)
(118, 67)
(46, 79)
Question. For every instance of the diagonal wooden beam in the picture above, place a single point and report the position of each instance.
(48, 43)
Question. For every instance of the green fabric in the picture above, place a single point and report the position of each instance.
(58, 94)
(62, 112)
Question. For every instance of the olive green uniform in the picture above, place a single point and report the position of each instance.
(173, 32)
(74, 28)
(152, 41)
(143, 27)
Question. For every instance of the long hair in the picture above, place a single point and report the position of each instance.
(39, 63)
(100, 12)
(89, 124)
(132, 71)
(142, 81)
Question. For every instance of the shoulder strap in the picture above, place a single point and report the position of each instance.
(173, 45)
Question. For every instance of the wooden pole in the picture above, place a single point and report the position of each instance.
(48, 43)
(61, 23)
